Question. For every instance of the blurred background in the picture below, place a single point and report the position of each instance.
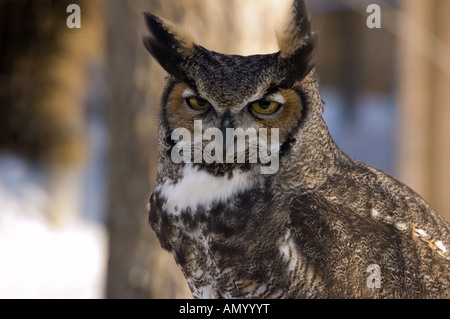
(78, 121)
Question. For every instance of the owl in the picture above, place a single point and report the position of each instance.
(255, 200)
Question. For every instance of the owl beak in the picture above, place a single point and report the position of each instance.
(226, 123)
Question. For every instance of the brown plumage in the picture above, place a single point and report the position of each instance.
(315, 227)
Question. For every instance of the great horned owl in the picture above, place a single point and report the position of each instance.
(319, 225)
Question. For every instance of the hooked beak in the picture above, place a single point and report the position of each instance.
(226, 123)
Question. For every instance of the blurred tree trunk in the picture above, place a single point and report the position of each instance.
(424, 58)
(138, 268)
(44, 82)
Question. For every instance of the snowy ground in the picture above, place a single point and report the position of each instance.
(37, 258)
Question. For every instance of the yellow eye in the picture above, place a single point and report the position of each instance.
(197, 103)
(266, 107)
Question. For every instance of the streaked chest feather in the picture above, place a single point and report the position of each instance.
(204, 219)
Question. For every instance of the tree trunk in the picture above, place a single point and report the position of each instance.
(138, 267)
(424, 135)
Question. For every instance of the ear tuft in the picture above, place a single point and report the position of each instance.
(297, 45)
(297, 31)
(300, 63)
(168, 44)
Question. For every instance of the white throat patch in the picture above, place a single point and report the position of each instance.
(198, 188)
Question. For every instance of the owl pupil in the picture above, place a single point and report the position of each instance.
(264, 105)
(201, 102)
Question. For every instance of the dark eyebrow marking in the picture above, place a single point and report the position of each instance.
(273, 88)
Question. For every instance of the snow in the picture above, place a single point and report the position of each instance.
(37, 258)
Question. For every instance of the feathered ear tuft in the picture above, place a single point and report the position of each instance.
(168, 44)
(297, 31)
(297, 45)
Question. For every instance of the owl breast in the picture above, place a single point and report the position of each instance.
(221, 231)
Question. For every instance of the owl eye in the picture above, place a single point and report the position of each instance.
(197, 103)
(265, 107)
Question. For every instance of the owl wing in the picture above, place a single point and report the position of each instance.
(363, 218)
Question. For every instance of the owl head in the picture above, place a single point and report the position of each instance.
(212, 93)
